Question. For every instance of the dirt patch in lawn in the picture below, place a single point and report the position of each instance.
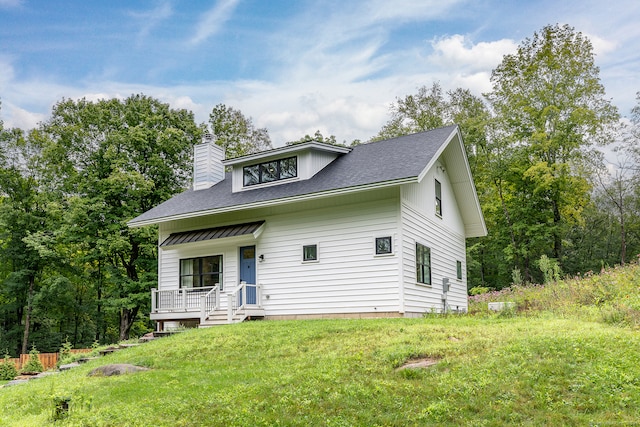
(420, 363)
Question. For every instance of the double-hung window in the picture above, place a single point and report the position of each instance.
(423, 264)
(201, 272)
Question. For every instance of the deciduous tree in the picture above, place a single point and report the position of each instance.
(111, 160)
(236, 133)
(550, 110)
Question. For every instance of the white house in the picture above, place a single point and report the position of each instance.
(316, 230)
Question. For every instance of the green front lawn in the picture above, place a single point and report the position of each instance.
(536, 370)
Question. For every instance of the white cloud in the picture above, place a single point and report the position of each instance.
(457, 53)
(213, 20)
(7, 73)
(602, 46)
(335, 68)
(20, 118)
(152, 18)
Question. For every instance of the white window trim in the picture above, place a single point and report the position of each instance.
(310, 261)
(415, 263)
(375, 247)
(220, 283)
(436, 199)
(269, 184)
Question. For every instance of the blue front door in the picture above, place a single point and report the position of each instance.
(248, 272)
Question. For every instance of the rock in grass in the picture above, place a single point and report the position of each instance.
(116, 369)
(15, 382)
(68, 366)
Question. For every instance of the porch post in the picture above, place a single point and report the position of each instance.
(154, 302)
(203, 308)
(230, 306)
(259, 295)
(217, 307)
(244, 295)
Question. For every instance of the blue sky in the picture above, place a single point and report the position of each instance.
(293, 66)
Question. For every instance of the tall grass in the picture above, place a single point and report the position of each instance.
(612, 296)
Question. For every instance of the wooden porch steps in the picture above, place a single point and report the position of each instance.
(219, 317)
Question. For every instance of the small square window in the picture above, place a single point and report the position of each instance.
(310, 253)
(459, 269)
(383, 245)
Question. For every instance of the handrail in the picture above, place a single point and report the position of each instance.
(183, 299)
(246, 295)
(209, 302)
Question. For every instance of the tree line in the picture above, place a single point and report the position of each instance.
(71, 269)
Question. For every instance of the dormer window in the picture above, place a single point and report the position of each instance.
(283, 165)
(270, 171)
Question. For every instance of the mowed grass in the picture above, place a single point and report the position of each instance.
(534, 370)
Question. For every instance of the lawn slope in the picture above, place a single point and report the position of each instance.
(533, 370)
(568, 355)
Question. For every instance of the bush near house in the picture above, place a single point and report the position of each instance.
(8, 369)
(33, 364)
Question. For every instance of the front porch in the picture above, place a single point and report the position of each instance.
(207, 305)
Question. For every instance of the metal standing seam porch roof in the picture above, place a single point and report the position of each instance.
(212, 233)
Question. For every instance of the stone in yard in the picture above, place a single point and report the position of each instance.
(500, 306)
(68, 366)
(116, 369)
(15, 382)
(147, 337)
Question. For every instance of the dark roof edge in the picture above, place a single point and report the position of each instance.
(273, 202)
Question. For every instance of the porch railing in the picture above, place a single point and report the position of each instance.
(185, 299)
(207, 300)
(246, 295)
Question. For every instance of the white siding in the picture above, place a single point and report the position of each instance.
(207, 165)
(312, 162)
(347, 278)
(444, 236)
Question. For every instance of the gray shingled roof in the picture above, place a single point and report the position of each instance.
(394, 159)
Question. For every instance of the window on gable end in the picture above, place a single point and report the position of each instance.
(438, 198)
(459, 269)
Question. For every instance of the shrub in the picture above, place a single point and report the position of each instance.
(65, 353)
(477, 290)
(8, 369)
(550, 269)
(33, 364)
(516, 277)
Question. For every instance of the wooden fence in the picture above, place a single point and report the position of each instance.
(48, 360)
